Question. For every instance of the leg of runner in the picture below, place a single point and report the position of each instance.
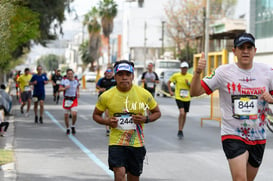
(66, 121)
(181, 122)
(58, 98)
(22, 107)
(74, 119)
(238, 167)
(119, 173)
(28, 106)
(131, 177)
(41, 111)
(36, 111)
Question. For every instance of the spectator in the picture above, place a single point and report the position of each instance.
(3, 124)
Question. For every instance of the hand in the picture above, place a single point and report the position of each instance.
(67, 87)
(139, 118)
(102, 89)
(201, 64)
(267, 97)
(112, 122)
(187, 82)
(171, 93)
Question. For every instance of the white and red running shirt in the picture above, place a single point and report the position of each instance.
(72, 91)
(243, 111)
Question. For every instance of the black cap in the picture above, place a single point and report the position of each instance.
(244, 38)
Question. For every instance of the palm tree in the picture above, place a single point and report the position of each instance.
(107, 11)
(94, 29)
(85, 55)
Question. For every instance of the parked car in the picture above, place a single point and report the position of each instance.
(90, 76)
(78, 76)
(163, 82)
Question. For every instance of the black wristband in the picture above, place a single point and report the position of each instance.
(147, 119)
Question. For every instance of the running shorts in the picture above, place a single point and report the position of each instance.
(25, 96)
(234, 148)
(183, 104)
(131, 158)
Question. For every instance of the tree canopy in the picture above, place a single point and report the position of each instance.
(22, 21)
(186, 19)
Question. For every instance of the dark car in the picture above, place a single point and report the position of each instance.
(163, 82)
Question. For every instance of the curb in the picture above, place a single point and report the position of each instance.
(9, 170)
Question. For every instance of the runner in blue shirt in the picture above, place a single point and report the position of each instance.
(38, 81)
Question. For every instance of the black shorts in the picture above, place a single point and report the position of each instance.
(126, 156)
(25, 96)
(183, 104)
(40, 97)
(234, 148)
(56, 88)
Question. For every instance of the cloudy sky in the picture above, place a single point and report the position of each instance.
(71, 27)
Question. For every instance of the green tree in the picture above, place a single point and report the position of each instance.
(50, 61)
(91, 53)
(51, 16)
(25, 20)
(185, 19)
(85, 55)
(18, 25)
(107, 11)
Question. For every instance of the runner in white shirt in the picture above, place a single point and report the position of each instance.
(245, 89)
(70, 86)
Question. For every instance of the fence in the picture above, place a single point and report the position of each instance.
(215, 59)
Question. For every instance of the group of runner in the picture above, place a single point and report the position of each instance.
(245, 87)
(128, 107)
(35, 83)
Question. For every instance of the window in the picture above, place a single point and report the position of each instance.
(264, 18)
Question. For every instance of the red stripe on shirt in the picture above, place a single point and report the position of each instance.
(248, 142)
(205, 86)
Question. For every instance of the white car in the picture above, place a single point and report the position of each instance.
(90, 76)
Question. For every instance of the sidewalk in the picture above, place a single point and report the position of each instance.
(8, 171)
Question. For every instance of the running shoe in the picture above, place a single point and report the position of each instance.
(68, 131)
(107, 132)
(26, 114)
(36, 119)
(58, 98)
(41, 120)
(180, 134)
(73, 129)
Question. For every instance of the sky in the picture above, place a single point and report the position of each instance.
(71, 27)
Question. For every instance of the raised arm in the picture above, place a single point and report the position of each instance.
(196, 87)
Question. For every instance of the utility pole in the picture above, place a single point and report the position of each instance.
(162, 38)
(207, 32)
(145, 41)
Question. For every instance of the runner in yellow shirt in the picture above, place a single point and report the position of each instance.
(25, 90)
(128, 106)
(182, 82)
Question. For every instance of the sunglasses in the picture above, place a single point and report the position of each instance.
(109, 70)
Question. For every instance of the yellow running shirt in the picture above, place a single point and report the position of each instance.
(23, 81)
(182, 90)
(122, 105)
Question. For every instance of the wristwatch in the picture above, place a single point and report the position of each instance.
(147, 119)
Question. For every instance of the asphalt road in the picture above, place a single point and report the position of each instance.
(44, 152)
